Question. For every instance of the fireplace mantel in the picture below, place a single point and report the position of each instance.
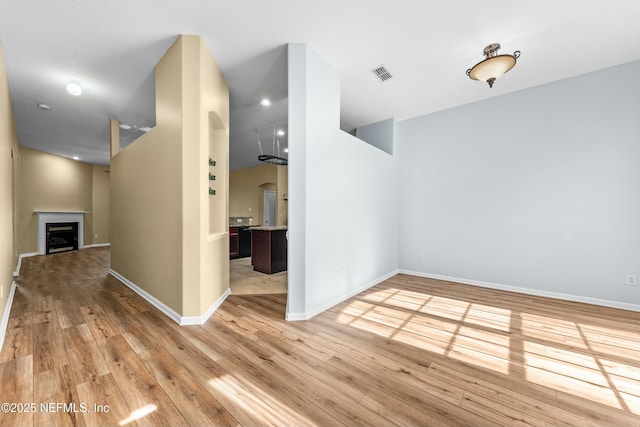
(46, 216)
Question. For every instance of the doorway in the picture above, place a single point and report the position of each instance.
(269, 210)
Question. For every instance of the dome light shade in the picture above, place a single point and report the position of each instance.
(493, 66)
(74, 89)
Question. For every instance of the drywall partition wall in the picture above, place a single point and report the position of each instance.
(282, 194)
(205, 135)
(380, 134)
(343, 217)
(163, 240)
(537, 189)
(297, 227)
(146, 195)
(8, 154)
(55, 183)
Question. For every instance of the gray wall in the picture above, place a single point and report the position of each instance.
(380, 134)
(343, 217)
(538, 189)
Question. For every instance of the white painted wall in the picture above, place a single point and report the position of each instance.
(343, 216)
(538, 189)
(380, 134)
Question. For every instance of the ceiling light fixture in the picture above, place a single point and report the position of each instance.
(265, 102)
(74, 88)
(125, 126)
(493, 66)
(44, 106)
(280, 132)
(76, 158)
(275, 157)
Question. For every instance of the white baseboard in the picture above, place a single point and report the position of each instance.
(293, 317)
(168, 311)
(199, 320)
(165, 309)
(27, 255)
(317, 310)
(5, 316)
(528, 291)
(96, 245)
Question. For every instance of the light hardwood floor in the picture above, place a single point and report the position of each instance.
(409, 351)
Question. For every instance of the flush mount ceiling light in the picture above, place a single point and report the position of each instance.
(265, 102)
(74, 88)
(280, 132)
(493, 66)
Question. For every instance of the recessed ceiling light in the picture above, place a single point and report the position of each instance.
(44, 106)
(74, 88)
(76, 158)
(145, 129)
(265, 102)
(280, 132)
(125, 126)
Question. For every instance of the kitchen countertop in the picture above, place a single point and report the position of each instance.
(270, 228)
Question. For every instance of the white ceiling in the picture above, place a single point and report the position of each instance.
(110, 48)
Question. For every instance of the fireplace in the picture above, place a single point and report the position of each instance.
(60, 231)
(62, 237)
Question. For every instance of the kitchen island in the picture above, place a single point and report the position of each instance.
(269, 249)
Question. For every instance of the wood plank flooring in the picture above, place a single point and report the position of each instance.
(82, 349)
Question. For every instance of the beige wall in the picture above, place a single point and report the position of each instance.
(8, 166)
(146, 207)
(100, 202)
(246, 191)
(50, 182)
(212, 141)
(162, 235)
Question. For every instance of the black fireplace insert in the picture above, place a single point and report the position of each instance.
(62, 237)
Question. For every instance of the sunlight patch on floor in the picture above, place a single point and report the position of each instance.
(491, 317)
(260, 405)
(545, 350)
(138, 414)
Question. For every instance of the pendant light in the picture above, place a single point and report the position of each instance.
(493, 66)
(272, 158)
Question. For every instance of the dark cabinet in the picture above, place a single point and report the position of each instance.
(234, 242)
(269, 250)
(245, 242)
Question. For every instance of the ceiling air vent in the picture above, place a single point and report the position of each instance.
(381, 73)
